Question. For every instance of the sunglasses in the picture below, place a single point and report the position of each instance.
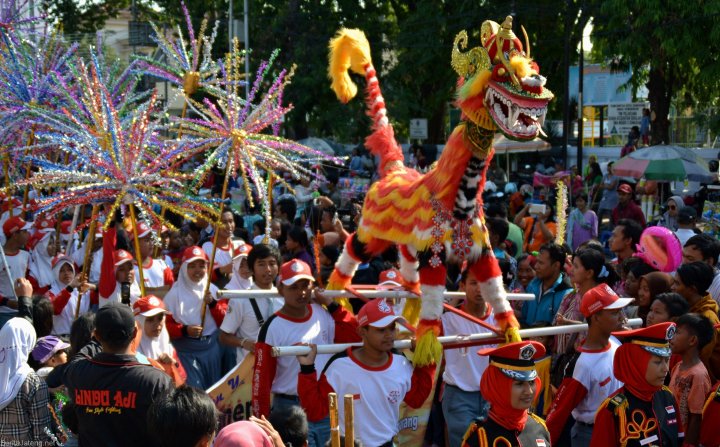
(672, 207)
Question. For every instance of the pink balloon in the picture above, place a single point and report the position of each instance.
(660, 248)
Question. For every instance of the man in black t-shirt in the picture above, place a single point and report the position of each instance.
(112, 390)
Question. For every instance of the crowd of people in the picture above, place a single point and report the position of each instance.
(91, 355)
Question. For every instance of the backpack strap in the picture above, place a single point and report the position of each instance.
(256, 311)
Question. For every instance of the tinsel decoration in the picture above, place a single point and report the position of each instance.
(561, 206)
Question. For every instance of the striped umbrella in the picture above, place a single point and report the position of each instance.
(665, 163)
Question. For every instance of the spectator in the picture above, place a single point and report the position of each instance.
(241, 278)
(550, 286)
(298, 321)
(292, 425)
(183, 417)
(381, 378)
(24, 411)
(626, 207)
(285, 209)
(641, 364)
(329, 255)
(510, 384)
(42, 315)
(245, 317)
(669, 217)
(155, 341)
(651, 285)
(634, 269)
(297, 246)
(195, 340)
(588, 378)
(247, 434)
(593, 180)
(705, 248)
(667, 307)
(690, 381)
(525, 271)
(112, 391)
(645, 127)
(539, 228)
(692, 281)
(582, 224)
(609, 193)
(462, 401)
(49, 352)
(686, 220)
(515, 234)
(625, 236)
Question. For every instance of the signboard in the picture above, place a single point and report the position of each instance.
(623, 116)
(600, 85)
(418, 129)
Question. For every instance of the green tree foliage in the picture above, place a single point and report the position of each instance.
(672, 48)
(82, 17)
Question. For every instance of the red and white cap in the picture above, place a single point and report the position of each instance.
(193, 254)
(377, 313)
(295, 270)
(45, 224)
(149, 306)
(242, 250)
(13, 202)
(58, 259)
(15, 224)
(121, 257)
(599, 298)
(143, 229)
(390, 277)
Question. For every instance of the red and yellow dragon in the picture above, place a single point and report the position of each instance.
(435, 218)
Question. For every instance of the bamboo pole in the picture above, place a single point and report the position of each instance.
(214, 248)
(334, 420)
(28, 166)
(89, 241)
(349, 421)
(486, 337)
(365, 293)
(136, 242)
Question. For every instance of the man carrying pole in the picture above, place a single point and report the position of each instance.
(378, 379)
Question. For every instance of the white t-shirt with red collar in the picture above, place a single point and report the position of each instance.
(223, 255)
(241, 321)
(18, 265)
(464, 369)
(157, 274)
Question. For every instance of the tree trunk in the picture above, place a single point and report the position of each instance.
(660, 91)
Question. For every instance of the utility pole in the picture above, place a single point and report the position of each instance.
(566, 65)
(581, 69)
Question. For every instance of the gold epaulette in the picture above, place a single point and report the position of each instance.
(539, 420)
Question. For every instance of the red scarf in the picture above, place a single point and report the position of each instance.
(495, 387)
(630, 365)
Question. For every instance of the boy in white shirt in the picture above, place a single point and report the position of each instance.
(16, 234)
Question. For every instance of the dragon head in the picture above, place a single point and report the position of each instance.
(500, 86)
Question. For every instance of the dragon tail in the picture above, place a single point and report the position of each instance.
(350, 50)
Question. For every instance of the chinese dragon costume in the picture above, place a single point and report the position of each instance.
(436, 218)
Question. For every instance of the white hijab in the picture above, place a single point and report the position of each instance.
(237, 282)
(154, 347)
(17, 339)
(56, 286)
(41, 263)
(185, 301)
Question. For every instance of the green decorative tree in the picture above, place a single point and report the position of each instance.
(670, 46)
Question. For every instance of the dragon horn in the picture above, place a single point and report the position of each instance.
(349, 50)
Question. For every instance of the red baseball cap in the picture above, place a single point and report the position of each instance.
(599, 298)
(295, 270)
(65, 227)
(193, 254)
(121, 257)
(149, 306)
(377, 313)
(242, 251)
(625, 188)
(45, 224)
(15, 224)
(143, 229)
(390, 277)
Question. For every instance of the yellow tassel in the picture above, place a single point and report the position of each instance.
(512, 335)
(349, 50)
(475, 85)
(428, 350)
(344, 302)
(521, 66)
(411, 311)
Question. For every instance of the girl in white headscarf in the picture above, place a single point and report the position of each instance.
(24, 413)
(64, 295)
(40, 266)
(196, 343)
(155, 343)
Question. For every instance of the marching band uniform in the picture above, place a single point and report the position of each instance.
(639, 413)
(506, 425)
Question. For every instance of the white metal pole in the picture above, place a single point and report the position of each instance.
(370, 294)
(281, 351)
